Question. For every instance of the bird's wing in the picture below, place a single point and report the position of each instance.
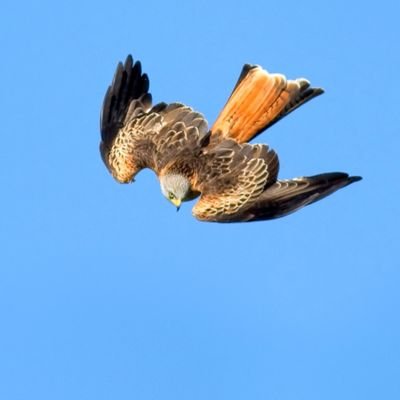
(183, 134)
(127, 100)
(128, 95)
(231, 177)
(286, 196)
(135, 134)
(258, 101)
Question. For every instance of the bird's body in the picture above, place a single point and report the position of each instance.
(237, 181)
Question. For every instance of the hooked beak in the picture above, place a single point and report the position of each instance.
(177, 203)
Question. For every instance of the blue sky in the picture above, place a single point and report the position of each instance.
(107, 293)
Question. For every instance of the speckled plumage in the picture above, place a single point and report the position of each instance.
(237, 181)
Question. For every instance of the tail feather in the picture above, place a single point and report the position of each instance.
(258, 100)
(287, 196)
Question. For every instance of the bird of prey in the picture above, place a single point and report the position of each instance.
(236, 181)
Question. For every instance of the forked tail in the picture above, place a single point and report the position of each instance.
(258, 100)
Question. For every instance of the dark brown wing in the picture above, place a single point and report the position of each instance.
(127, 94)
(126, 98)
(180, 139)
(231, 177)
(136, 135)
(287, 196)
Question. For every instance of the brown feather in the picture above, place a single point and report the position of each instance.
(136, 135)
(231, 177)
(287, 196)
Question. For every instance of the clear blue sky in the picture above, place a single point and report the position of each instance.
(107, 293)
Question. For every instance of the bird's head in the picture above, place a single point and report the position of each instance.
(176, 188)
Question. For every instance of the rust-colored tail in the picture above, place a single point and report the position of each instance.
(258, 100)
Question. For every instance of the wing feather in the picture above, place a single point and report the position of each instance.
(287, 196)
(181, 138)
(136, 135)
(127, 92)
(233, 176)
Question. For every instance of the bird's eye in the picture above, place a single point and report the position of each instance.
(171, 196)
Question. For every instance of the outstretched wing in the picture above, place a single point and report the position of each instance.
(137, 135)
(232, 177)
(287, 196)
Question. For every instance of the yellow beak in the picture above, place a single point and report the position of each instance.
(177, 203)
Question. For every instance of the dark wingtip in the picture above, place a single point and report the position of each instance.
(128, 62)
(340, 176)
(355, 178)
(318, 91)
(129, 83)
